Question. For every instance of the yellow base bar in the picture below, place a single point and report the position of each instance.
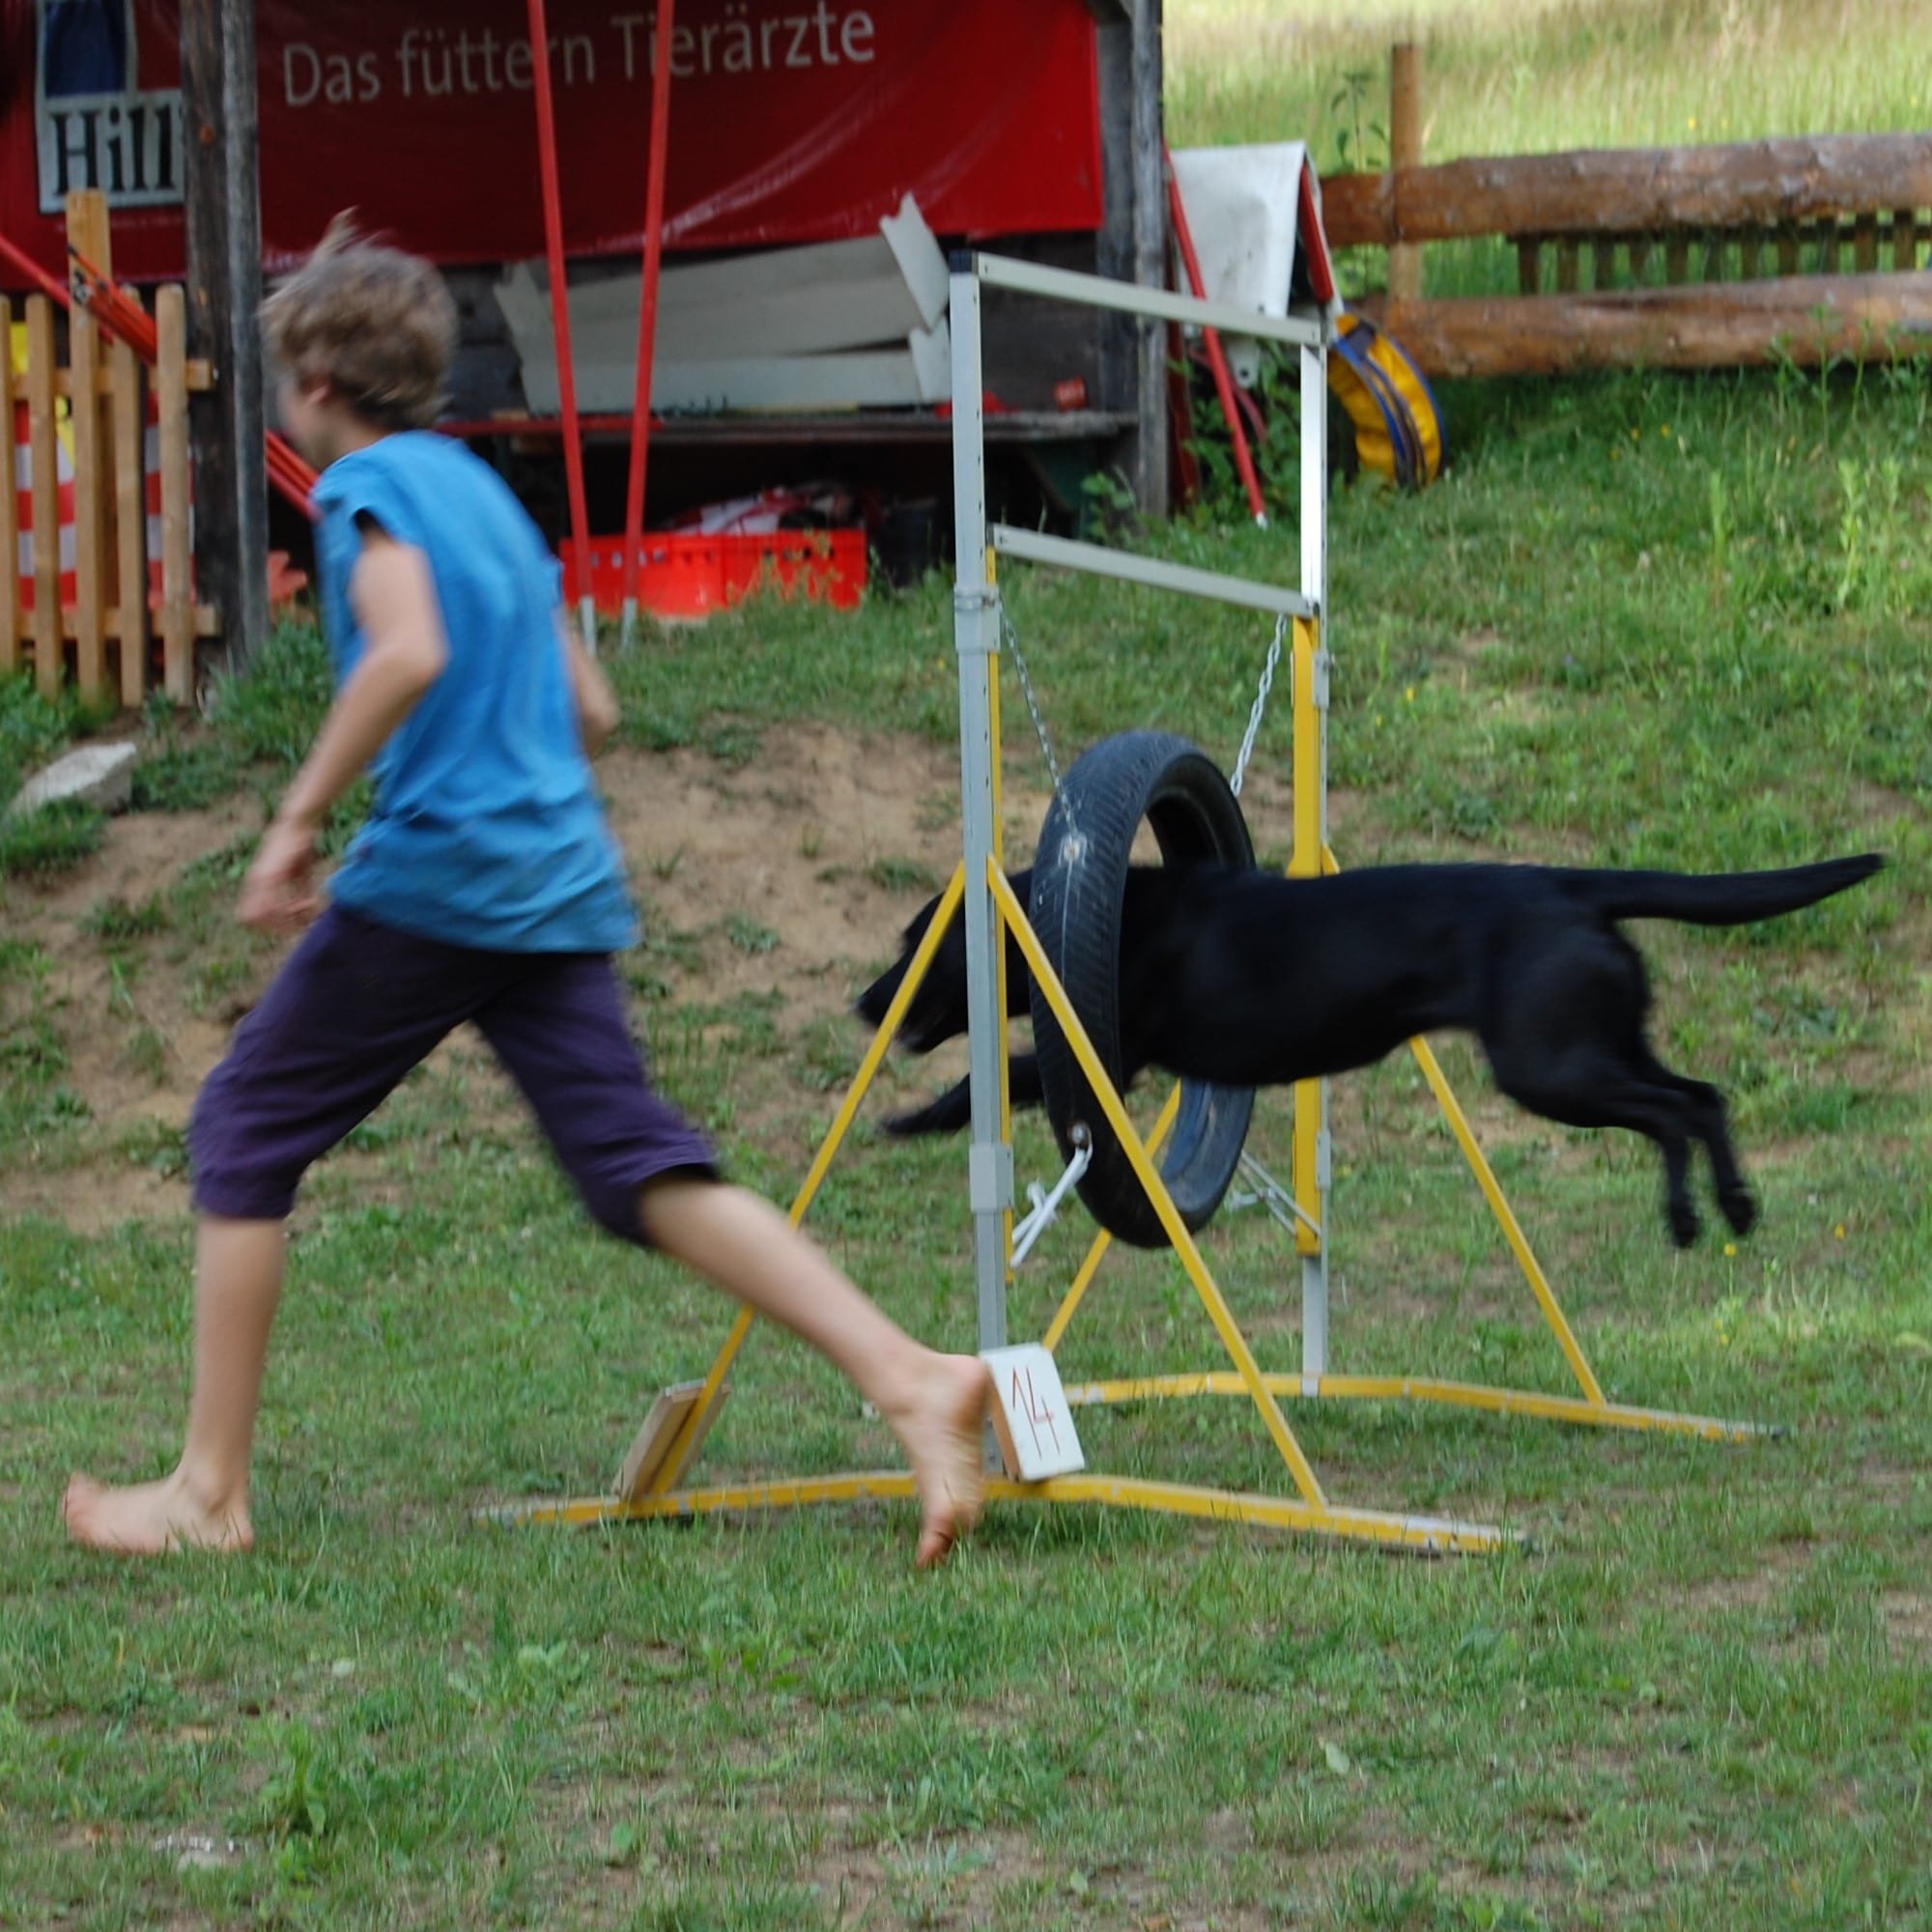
(1409, 1532)
(1424, 1389)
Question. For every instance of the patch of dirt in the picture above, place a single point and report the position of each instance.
(792, 870)
(796, 869)
(827, 842)
(137, 1044)
(1908, 1622)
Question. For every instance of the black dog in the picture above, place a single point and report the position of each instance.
(1249, 979)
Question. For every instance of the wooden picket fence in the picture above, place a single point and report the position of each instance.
(96, 530)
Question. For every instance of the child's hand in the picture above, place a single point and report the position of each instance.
(279, 896)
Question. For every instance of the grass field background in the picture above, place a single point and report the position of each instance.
(1643, 620)
(1540, 77)
(1536, 76)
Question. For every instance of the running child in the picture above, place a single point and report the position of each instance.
(486, 887)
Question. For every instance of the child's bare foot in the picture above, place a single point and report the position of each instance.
(146, 1518)
(938, 1422)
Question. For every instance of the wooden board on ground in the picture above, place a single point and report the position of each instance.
(654, 1440)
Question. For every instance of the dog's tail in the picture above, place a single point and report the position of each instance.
(1723, 899)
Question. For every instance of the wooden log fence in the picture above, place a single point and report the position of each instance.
(1669, 258)
(96, 536)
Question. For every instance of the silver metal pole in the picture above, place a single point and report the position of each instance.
(1069, 285)
(1064, 554)
(976, 632)
(1314, 587)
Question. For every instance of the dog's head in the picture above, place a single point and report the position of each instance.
(938, 1010)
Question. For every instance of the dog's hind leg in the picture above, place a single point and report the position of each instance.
(1710, 1122)
(1566, 1041)
(1591, 1089)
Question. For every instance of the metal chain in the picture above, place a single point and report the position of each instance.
(1012, 641)
(1260, 707)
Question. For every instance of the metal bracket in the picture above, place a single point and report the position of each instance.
(1270, 1194)
(1045, 1204)
(1323, 661)
(989, 1178)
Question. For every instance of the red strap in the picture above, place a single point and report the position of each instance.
(647, 315)
(1224, 381)
(559, 292)
(1313, 242)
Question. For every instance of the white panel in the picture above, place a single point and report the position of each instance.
(1242, 205)
(1031, 1417)
(777, 302)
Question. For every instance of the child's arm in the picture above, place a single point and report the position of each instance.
(404, 653)
(596, 702)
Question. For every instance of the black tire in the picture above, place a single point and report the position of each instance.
(1079, 884)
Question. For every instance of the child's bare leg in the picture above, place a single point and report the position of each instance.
(934, 1404)
(205, 1501)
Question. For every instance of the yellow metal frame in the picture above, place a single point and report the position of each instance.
(1309, 1508)
(1312, 857)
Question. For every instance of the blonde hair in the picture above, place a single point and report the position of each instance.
(378, 323)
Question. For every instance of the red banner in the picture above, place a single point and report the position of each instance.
(790, 121)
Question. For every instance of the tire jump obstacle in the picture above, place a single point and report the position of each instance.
(1079, 878)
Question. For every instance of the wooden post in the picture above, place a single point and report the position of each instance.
(1405, 273)
(1735, 325)
(225, 257)
(130, 523)
(1904, 245)
(1528, 265)
(1865, 246)
(90, 533)
(1149, 206)
(177, 619)
(45, 460)
(87, 231)
(10, 505)
(1119, 352)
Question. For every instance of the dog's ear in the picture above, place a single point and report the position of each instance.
(871, 1005)
(916, 926)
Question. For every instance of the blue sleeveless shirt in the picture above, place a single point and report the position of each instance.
(487, 829)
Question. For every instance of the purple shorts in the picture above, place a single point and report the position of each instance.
(359, 1004)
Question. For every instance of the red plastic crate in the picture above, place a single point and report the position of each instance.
(692, 576)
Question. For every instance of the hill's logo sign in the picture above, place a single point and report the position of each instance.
(93, 124)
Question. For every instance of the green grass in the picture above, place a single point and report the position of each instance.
(55, 839)
(1538, 77)
(31, 730)
(1647, 620)
(41, 844)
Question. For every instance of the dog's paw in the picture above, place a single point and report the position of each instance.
(1740, 1208)
(1683, 1223)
